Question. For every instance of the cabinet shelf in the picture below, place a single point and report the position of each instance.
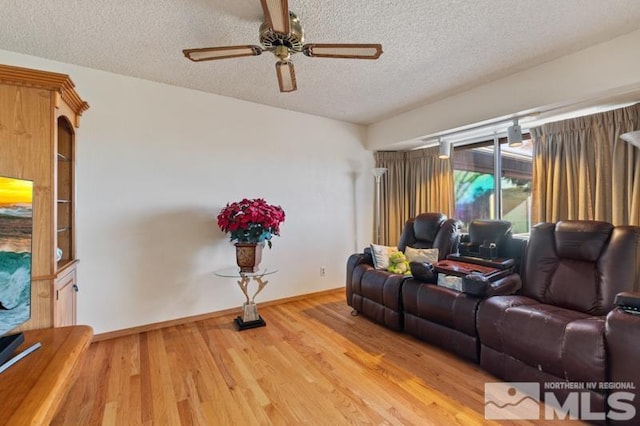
(64, 262)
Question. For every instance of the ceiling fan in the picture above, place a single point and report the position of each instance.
(282, 35)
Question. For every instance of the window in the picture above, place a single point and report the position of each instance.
(477, 183)
(516, 186)
(474, 181)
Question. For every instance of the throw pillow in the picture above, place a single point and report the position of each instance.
(380, 255)
(421, 255)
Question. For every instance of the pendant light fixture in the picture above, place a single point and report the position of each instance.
(514, 134)
(445, 149)
(632, 137)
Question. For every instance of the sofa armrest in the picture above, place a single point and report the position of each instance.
(479, 286)
(358, 258)
(628, 301)
(423, 272)
(353, 261)
(621, 335)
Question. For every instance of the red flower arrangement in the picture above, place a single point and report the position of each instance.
(251, 221)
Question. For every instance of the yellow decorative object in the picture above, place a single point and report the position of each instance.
(398, 264)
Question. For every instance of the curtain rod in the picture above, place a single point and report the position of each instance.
(462, 130)
(487, 124)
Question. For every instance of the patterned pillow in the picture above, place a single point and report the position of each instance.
(421, 255)
(380, 255)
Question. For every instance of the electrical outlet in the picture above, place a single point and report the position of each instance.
(322, 271)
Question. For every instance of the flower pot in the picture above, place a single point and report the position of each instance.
(248, 256)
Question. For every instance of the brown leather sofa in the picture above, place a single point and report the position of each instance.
(575, 318)
(554, 329)
(375, 293)
(446, 317)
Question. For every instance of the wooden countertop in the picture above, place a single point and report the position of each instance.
(31, 390)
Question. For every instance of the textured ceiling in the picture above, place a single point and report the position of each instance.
(432, 48)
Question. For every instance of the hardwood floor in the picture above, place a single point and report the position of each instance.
(313, 363)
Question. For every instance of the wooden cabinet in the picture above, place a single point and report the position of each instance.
(39, 115)
(64, 298)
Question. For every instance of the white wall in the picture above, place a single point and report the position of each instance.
(156, 163)
(609, 68)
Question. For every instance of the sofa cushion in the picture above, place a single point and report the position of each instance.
(560, 268)
(441, 305)
(429, 230)
(581, 240)
(490, 231)
(565, 343)
(581, 274)
(427, 225)
(382, 287)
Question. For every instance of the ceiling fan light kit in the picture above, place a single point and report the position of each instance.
(283, 35)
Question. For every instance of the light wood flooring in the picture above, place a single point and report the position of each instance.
(313, 364)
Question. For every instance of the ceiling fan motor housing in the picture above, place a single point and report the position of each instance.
(292, 41)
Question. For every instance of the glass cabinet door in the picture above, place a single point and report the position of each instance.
(65, 193)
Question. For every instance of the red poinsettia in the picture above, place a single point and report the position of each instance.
(251, 221)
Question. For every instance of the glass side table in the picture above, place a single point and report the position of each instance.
(250, 317)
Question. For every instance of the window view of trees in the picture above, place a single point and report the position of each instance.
(475, 184)
(516, 203)
(474, 195)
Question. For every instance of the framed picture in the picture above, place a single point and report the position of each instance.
(16, 228)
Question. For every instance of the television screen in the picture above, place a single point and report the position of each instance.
(16, 221)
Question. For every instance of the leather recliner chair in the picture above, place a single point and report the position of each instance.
(554, 329)
(486, 231)
(376, 293)
(447, 318)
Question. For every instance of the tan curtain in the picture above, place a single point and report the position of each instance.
(430, 182)
(415, 182)
(392, 195)
(573, 168)
(626, 167)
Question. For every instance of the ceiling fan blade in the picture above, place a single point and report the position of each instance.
(276, 13)
(225, 52)
(348, 51)
(286, 76)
